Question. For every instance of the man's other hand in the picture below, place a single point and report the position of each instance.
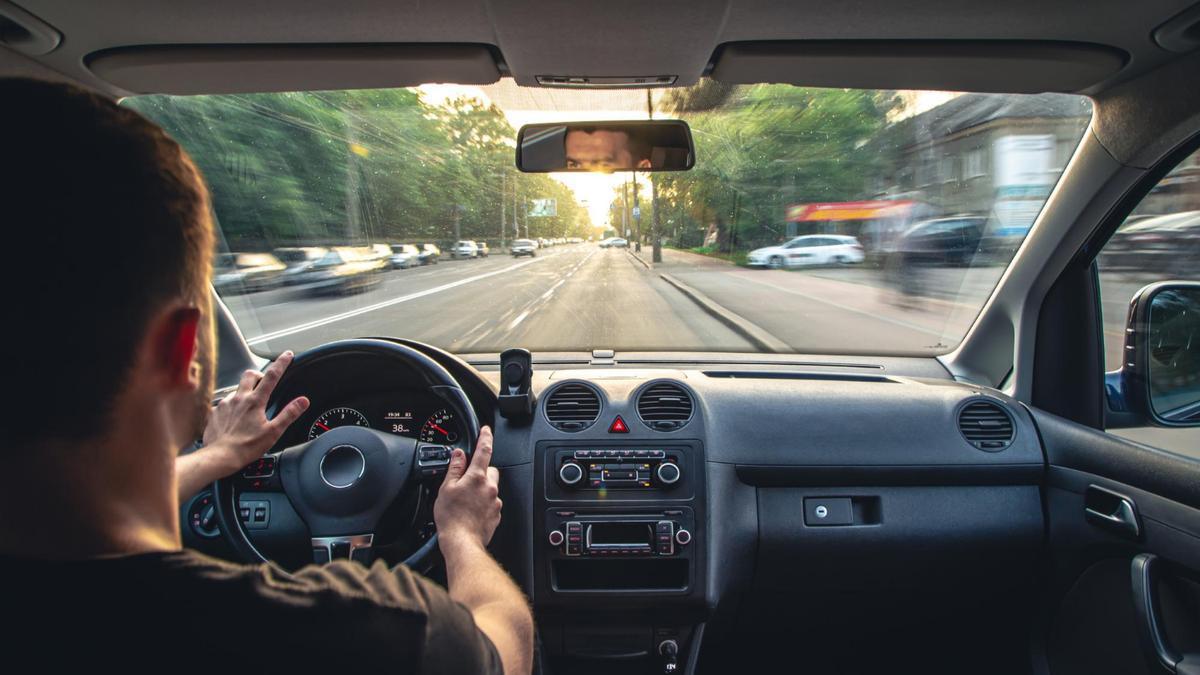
(467, 510)
(238, 430)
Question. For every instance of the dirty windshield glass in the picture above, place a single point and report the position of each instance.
(814, 220)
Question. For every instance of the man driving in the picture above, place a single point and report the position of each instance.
(113, 374)
(604, 150)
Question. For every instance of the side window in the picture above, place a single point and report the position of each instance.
(1159, 241)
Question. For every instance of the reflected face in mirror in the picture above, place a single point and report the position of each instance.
(604, 150)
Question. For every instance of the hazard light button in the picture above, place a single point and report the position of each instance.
(618, 426)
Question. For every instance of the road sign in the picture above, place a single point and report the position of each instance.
(637, 212)
(543, 208)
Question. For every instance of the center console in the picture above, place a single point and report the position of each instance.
(619, 533)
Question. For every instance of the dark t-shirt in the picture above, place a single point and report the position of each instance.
(186, 611)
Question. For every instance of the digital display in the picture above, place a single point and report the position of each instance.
(622, 534)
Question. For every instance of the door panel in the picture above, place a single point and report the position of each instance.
(1090, 622)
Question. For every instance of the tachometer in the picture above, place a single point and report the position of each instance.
(440, 428)
(337, 417)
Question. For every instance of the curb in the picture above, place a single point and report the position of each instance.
(752, 332)
(637, 258)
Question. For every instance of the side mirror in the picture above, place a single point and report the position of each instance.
(606, 147)
(1159, 379)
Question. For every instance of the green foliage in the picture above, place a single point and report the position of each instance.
(761, 148)
(359, 167)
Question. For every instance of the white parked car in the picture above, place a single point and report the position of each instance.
(810, 249)
(465, 249)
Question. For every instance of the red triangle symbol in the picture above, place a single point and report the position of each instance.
(618, 426)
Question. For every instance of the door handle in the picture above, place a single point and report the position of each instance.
(1111, 510)
(1159, 653)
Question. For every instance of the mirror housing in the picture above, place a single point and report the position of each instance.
(1159, 379)
(606, 147)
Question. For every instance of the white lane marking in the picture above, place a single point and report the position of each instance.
(517, 321)
(274, 335)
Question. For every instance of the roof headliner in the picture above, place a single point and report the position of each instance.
(595, 37)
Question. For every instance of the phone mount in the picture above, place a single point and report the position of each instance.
(516, 393)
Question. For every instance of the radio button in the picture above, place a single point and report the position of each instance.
(668, 473)
(556, 538)
(570, 473)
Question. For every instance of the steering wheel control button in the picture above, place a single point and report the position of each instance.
(683, 537)
(570, 473)
(433, 460)
(828, 511)
(557, 538)
(263, 467)
(668, 473)
(342, 466)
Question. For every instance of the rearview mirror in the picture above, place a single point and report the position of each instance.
(605, 147)
(1159, 380)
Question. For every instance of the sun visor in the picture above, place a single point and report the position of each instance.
(231, 69)
(982, 66)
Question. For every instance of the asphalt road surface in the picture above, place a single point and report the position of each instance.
(568, 298)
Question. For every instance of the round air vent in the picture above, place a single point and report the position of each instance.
(664, 406)
(572, 407)
(986, 425)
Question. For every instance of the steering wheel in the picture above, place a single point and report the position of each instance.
(342, 482)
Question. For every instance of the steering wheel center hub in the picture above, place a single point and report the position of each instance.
(342, 466)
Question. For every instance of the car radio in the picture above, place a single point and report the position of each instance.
(663, 533)
(622, 468)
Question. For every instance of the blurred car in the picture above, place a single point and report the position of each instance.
(946, 241)
(247, 272)
(430, 254)
(464, 249)
(483, 249)
(809, 249)
(522, 247)
(614, 242)
(299, 261)
(345, 270)
(1160, 243)
(380, 251)
(405, 256)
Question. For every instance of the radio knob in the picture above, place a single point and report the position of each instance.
(570, 473)
(683, 537)
(668, 473)
(556, 537)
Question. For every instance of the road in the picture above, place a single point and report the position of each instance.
(568, 298)
(581, 297)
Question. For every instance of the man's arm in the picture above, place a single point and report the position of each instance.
(238, 430)
(467, 512)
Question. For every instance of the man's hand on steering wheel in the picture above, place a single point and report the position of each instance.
(467, 509)
(238, 430)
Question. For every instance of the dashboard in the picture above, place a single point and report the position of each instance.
(698, 497)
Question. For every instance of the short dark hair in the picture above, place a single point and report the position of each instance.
(105, 220)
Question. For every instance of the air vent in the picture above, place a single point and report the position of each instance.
(573, 407)
(664, 406)
(986, 425)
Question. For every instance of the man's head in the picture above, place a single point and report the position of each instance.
(604, 150)
(109, 244)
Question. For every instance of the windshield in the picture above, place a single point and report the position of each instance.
(868, 170)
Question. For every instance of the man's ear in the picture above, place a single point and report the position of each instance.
(175, 345)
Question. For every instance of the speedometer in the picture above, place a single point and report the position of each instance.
(440, 428)
(337, 417)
